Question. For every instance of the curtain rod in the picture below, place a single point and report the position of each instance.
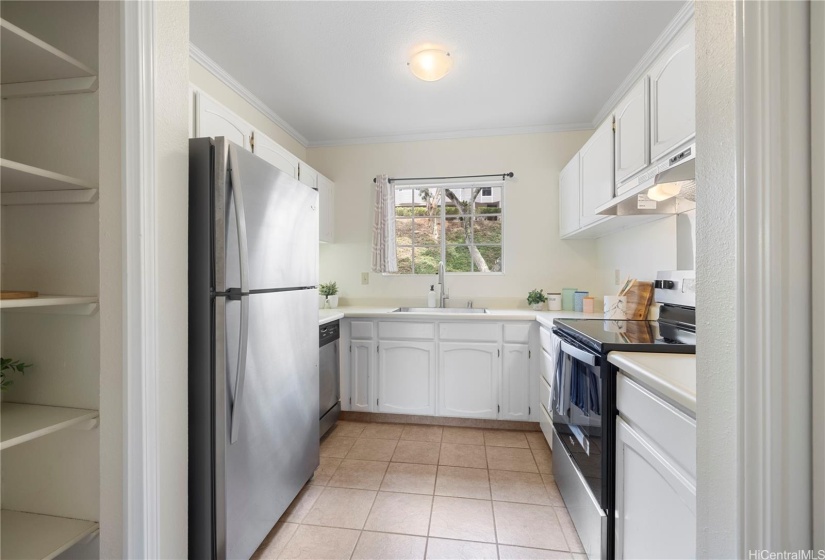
(394, 179)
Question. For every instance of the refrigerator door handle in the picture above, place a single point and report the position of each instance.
(240, 218)
(234, 426)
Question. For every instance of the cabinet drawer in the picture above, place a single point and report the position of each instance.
(545, 395)
(546, 425)
(669, 429)
(405, 329)
(517, 332)
(361, 329)
(546, 338)
(548, 366)
(476, 332)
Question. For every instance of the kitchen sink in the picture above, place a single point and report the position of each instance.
(446, 310)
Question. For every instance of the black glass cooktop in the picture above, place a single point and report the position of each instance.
(603, 335)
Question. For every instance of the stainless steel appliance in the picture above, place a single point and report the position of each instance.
(329, 376)
(584, 401)
(253, 346)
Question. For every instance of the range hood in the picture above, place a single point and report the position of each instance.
(666, 187)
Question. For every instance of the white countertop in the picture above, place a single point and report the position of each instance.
(673, 376)
(544, 317)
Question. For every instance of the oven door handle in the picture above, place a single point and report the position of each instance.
(579, 354)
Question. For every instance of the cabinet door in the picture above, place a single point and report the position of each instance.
(469, 377)
(515, 383)
(569, 192)
(307, 175)
(213, 119)
(673, 95)
(406, 377)
(655, 503)
(267, 149)
(361, 368)
(632, 140)
(597, 184)
(326, 212)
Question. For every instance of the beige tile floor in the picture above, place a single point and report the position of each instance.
(390, 491)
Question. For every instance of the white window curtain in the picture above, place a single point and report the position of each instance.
(383, 227)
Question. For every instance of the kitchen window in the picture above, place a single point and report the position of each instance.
(461, 225)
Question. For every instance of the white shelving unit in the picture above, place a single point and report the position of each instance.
(20, 423)
(33, 536)
(30, 66)
(71, 305)
(25, 184)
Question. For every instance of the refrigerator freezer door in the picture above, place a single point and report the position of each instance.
(277, 449)
(281, 226)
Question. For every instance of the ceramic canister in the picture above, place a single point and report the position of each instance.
(589, 304)
(567, 298)
(578, 301)
(554, 302)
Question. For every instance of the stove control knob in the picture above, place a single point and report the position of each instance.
(664, 284)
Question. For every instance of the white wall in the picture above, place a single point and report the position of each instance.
(718, 496)
(203, 79)
(534, 255)
(172, 148)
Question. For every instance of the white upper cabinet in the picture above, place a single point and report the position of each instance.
(569, 192)
(406, 377)
(326, 197)
(673, 94)
(515, 383)
(597, 186)
(270, 151)
(213, 119)
(632, 139)
(307, 175)
(469, 377)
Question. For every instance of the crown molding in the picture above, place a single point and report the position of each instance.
(476, 133)
(216, 70)
(674, 27)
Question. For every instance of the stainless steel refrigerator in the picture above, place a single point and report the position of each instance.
(253, 346)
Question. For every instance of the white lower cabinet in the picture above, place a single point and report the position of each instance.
(515, 382)
(655, 495)
(406, 377)
(469, 374)
(362, 353)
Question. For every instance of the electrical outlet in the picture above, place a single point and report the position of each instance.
(618, 279)
(365, 278)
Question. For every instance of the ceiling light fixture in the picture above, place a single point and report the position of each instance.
(430, 64)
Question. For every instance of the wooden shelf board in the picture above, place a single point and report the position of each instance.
(20, 423)
(25, 58)
(57, 304)
(34, 536)
(19, 177)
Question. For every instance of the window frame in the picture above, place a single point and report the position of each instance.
(442, 215)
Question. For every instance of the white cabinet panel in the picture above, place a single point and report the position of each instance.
(469, 374)
(270, 151)
(471, 332)
(632, 140)
(655, 504)
(406, 329)
(515, 382)
(673, 94)
(307, 175)
(517, 332)
(569, 192)
(213, 119)
(362, 329)
(597, 186)
(361, 374)
(326, 216)
(406, 377)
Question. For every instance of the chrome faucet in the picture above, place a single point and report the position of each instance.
(443, 294)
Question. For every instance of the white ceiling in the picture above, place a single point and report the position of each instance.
(336, 71)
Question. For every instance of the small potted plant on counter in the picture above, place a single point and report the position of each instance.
(9, 367)
(329, 292)
(536, 299)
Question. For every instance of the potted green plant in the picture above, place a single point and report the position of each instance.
(329, 293)
(536, 299)
(8, 367)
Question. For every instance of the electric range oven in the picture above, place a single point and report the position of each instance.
(584, 402)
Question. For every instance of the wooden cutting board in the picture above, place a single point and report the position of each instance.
(12, 294)
(639, 298)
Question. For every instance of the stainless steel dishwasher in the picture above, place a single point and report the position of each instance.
(330, 382)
